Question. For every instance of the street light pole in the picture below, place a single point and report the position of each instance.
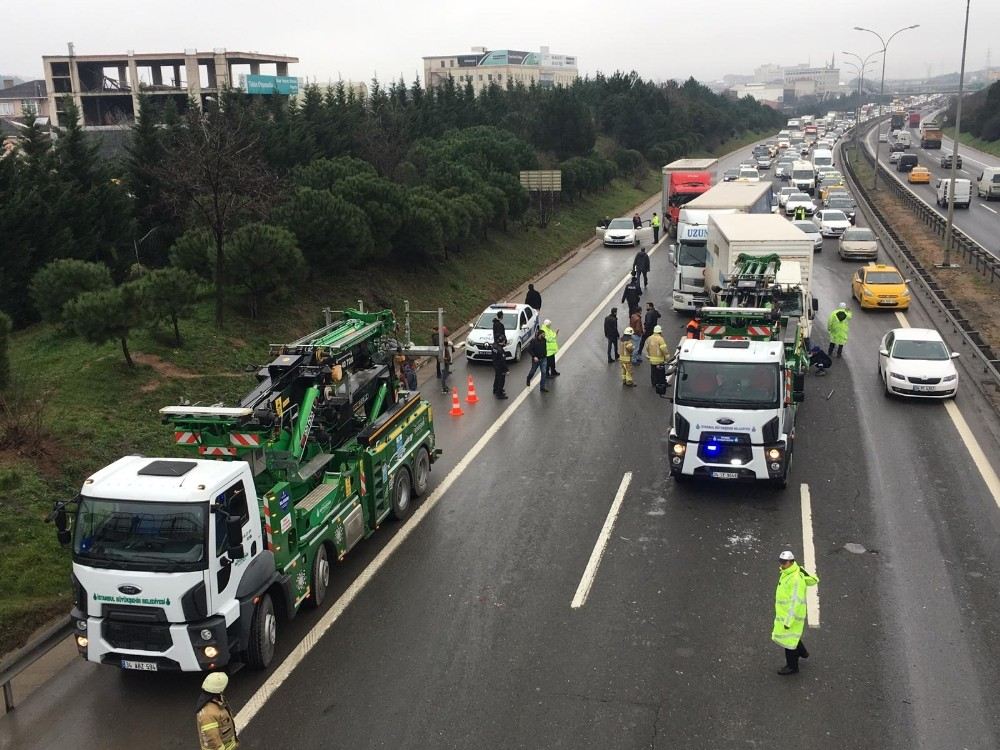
(949, 229)
(862, 67)
(881, 93)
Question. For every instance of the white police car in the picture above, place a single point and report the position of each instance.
(520, 324)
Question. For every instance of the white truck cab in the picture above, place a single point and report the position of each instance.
(733, 411)
(165, 554)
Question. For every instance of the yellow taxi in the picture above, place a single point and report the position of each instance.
(920, 175)
(877, 285)
(831, 187)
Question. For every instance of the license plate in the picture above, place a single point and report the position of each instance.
(923, 388)
(887, 303)
(140, 666)
(725, 475)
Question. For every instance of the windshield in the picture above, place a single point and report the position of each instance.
(692, 254)
(932, 350)
(823, 161)
(802, 174)
(743, 385)
(140, 535)
(621, 224)
(841, 203)
(798, 197)
(859, 235)
(807, 226)
(487, 318)
(679, 199)
(883, 277)
(834, 216)
(790, 303)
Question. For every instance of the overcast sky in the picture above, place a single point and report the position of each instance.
(661, 39)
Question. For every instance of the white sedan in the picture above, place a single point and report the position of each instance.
(831, 222)
(796, 200)
(748, 174)
(621, 233)
(916, 362)
(812, 231)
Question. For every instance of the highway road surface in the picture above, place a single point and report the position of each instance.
(981, 221)
(558, 590)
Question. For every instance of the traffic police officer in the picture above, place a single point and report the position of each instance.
(790, 611)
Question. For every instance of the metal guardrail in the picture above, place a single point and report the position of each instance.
(987, 264)
(929, 286)
(13, 664)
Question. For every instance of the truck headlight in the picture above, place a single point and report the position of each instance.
(773, 454)
(206, 634)
(679, 449)
(211, 652)
(82, 641)
(81, 624)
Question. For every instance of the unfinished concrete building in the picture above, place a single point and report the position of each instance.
(106, 88)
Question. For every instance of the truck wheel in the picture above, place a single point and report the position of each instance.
(320, 577)
(401, 495)
(421, 472)
(263, 634)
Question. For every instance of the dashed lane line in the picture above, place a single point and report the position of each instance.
(590, 572)
(809, 556)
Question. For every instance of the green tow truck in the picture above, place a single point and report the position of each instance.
(190, 563)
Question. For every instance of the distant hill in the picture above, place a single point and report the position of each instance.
(980, 113)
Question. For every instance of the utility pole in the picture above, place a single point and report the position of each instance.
(949, 229)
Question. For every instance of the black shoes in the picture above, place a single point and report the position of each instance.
(502, 396)
(544, 390)
(786, 670)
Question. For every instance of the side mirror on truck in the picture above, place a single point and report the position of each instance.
(61, 521)
(234, 531)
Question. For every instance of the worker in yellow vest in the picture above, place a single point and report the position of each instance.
(655, 223)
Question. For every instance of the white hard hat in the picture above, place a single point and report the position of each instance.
(842, 304)
(629, 332)
(215, 682)
(657, 329)
(546, 322)
(786, 555)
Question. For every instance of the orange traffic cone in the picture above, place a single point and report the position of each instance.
(472, 398)
(456, 408)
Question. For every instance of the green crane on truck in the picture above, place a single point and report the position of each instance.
(188, 564)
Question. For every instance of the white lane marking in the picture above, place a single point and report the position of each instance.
(590, 572)
(991, 210)
(809, 556)
(309, 641)
(979, 458)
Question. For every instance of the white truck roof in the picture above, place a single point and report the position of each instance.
(757, 228)
(691, 165)
(721, 350)
(162, 479)
(731, 195)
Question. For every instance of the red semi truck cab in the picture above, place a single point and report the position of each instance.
(683, 181)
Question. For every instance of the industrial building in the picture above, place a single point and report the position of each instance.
(106, 88)
(483, 67)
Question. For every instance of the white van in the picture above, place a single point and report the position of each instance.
(988, 183)
(904, 139)
(804, 177)
(962, 193)
(822, 157)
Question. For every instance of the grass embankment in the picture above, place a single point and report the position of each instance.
(987, 147)
(975, 295)
(88, 408)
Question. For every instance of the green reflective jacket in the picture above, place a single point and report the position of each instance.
(551, 345)
(839, 329)
(790, 605)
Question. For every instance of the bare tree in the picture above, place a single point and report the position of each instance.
(213, 172)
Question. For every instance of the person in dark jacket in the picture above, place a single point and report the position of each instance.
(500, 370)
(499, 332)
(539, 360)
(533, 299)
(611, 334)
(649, 322)
(637, 221)
(632, 293)
(640, 267)
(635, 325)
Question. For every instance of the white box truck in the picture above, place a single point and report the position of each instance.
(758, 236)
(688, 254)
